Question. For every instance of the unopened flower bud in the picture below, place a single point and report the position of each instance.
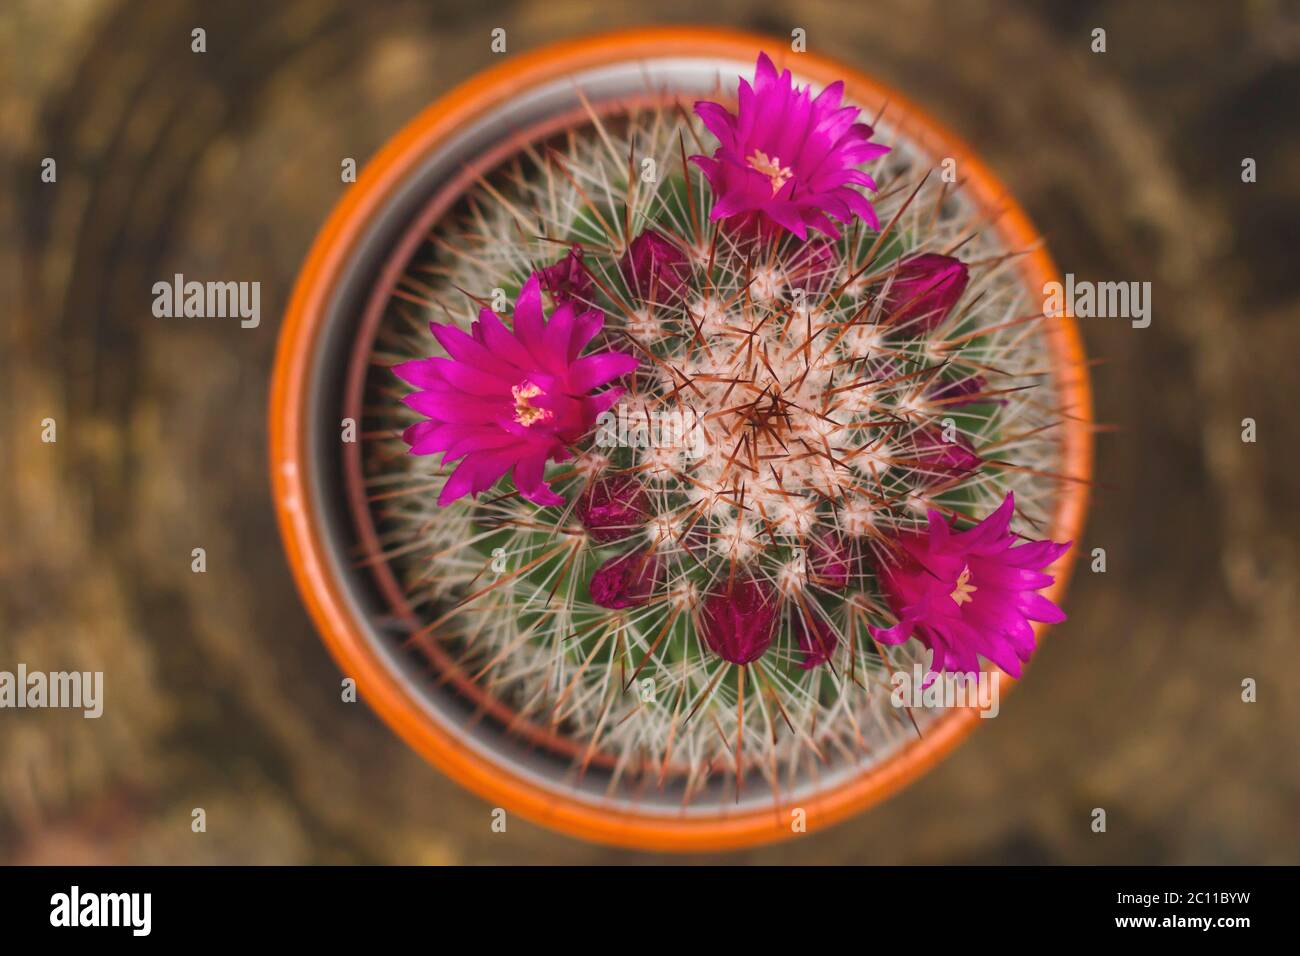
(812, 267)
(655, 269)
(613, 507)
(566, 280)
(738, 620)
(938, 460)
(924, 290)
(817, 640)
(830, 562)
(627, 580)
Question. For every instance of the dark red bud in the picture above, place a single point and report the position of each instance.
(938, 460)
(627, 580)
(924, 290)
(738, 620)
(830, 562)
(613, 507)
(817, 640)
(566, 280)
(965, 392)
(655, 269)
(812, 267)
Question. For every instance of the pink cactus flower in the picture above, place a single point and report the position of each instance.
(738, 619)
(788, 159)
(969, 594)
(511, 400)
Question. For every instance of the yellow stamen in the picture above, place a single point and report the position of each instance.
(964, 589)
(770, 166)
(526, 413)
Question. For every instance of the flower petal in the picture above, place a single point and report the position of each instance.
(592, 371)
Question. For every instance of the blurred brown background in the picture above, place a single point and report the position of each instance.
(218, 693)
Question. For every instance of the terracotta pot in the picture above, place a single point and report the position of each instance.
(318, 380)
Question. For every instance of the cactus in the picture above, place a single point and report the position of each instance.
(706, 585)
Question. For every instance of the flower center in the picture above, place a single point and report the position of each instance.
(964, 589)
(526, 413)
(770, 166)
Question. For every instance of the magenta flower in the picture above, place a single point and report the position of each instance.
(787, 158)
(924, 290)
(627, 580)
(970, 593)
(613, 507)
(817, 640)
(654, 268)
(738, 621)
(566, 280)
(938, 460)
(506, 400)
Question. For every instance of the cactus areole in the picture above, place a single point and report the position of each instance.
(696, 414)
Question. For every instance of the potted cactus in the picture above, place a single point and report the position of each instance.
(701, 395)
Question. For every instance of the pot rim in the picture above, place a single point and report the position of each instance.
(293, 494)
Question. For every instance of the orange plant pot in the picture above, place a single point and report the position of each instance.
(342, 271)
